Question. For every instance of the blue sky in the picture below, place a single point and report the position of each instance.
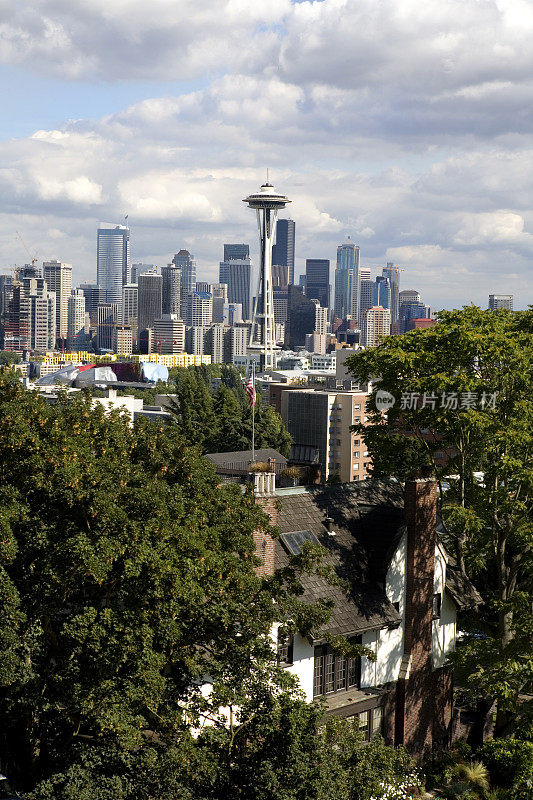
(406, 126)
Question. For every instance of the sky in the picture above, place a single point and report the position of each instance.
(404, 125)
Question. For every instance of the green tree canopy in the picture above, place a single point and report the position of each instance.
(464, 403)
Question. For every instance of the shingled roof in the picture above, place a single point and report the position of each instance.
(368, 523)
(368, 520)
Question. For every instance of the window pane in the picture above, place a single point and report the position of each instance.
(330, 673)
(377, 720)
(363, 723)
(341, 673)
(319, 675)
(353, 671)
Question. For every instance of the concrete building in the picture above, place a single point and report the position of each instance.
(381, 293)
(376, 325)
(108, 318)
(235, 342)
(31, 316)
(283, 249)
(321, 319)
(150, 300)
(236, 252)
(130, 310)
(322, 420)
(219, 293)
(94, 295)
(412, 310)
(58, 277)
(214, 343)
(194, 340)
(500, 301)
(315, 343)
(113, 260)
(169, 334)
(199, 309)
(76, 335)
(122, 340)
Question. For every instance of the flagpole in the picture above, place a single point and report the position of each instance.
(253, 414)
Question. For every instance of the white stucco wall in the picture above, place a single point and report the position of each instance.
(303, 665)
(444, 628)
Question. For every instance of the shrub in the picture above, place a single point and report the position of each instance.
(509, 761)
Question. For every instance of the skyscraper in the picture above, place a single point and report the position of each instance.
(130, 310)
(317, 280)
(58, 277)
(376, 325)
(381, 292)
(347, 281)
(113, 260)
(31, 323)
(171, 289)
(393, 274)
(185, 261)
(108, 316)
(500, 301)
(199, 309)
(283, 249)
(149, 300)
(94, 295)
(266, 203)
(76, 339)
(366, 288)
(236, 252)
(236, 273)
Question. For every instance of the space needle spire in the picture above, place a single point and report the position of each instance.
(266, 202)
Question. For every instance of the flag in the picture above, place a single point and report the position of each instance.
(250, 391)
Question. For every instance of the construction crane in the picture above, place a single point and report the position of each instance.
(33, 259)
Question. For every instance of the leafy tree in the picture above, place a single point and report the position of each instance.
(127, 577)
(483, 446)
(9, 357)
(229, 433)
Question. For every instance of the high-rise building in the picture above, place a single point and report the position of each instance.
(58, 277)
(283, 249)
(376, 325)
(235, 342)
(236, 252)
(301, 317)
(108, 317)
(31, 323)
(169, 334)
(139, 268)
(381, 292)
(347, 281)
(393, 274)
(76, 338)
(171, 289)
(281, 301)
(500, 301)
(214, 343)
(122, 340)
(130, 310)
(366, 289)
(321, 420)
(266, 203)
(409, 296)
(317, 280)
(410, 310)
(321, 319)
(185, 261)
(194, 340)
(94, 295)
(199, 309)
(236, 273)
(280, 276)
(6, 294)
(149, 300)
(219, 293)
(232, 313)
(113, 260)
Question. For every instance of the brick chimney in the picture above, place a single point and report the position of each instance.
(265, 496)
(415, 706)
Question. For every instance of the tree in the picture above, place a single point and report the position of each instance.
(464, 403)
(127, 577)
(229, 433)
(9, 357)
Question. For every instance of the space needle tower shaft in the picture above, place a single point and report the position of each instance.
(266, 202)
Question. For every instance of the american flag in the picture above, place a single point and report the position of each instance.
(250, 391)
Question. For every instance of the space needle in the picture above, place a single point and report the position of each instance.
(266, 202)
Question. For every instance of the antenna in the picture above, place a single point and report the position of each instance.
(267, 176)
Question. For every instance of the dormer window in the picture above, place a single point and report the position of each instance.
(285, 648)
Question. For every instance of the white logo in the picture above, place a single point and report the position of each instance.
(384, 400)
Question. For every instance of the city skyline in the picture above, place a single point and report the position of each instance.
(92, 133)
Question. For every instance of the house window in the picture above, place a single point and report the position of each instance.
(335, 673)
(285, 647)
(364, 721)
(436, 605)
(377, 720)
